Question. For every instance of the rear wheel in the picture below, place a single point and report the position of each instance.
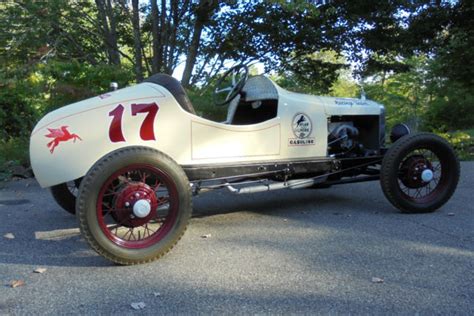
(65, 195)
(419, 173)
(134, 205)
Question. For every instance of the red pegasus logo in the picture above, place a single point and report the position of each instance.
(60, 135)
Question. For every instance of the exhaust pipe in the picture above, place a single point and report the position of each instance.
(293, 184)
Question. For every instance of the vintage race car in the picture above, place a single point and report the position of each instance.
(129, 161)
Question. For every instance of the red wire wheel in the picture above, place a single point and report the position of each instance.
(419, 173)
(132, 189)
(134, 205)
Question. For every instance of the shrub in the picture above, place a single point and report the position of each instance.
(13, 152)
(68, 82)
(462, 142)
(17, 116)
(453, 109)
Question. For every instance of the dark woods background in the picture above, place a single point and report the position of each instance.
(416, 57)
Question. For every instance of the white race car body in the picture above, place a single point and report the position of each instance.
(135, 157)
(67, 142)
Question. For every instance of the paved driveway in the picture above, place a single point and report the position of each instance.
(299, 251)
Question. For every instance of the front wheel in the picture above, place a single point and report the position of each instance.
(134, 205)
(419, 173)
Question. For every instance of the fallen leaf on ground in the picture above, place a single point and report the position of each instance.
(17, 283)
(138, 306)
(377, 280)
(40, 270)
(9, 236)
(450, 214)
(206, 236)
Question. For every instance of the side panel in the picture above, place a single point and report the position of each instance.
(210, 142)
(297, 143)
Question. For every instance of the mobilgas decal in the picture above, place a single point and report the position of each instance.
(349, 102)
(302, 128)
(60, 135)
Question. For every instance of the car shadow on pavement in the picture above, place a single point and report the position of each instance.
(333, 200)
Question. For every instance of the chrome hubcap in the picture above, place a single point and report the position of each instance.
(427, 175)
(141, 208)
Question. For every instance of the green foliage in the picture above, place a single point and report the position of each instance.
(17, 117)
(462, 142)
(203, 103)
(424, 100)
(14, 149)
(345, 87)
(33, 32)
(451, 109)
(281, 34)
(451, 81)
(321, 73)
(470, 132)
(13, 152)
(403, 95)
(314, 73)
(68, 82)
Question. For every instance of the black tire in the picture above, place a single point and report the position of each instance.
(64, 195)
(109, 169)
(430, 149)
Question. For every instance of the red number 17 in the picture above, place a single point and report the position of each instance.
(147, 130)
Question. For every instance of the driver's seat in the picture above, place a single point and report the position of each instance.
(175, 88)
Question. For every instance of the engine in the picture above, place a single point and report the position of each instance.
(343, 138)
(354, 136)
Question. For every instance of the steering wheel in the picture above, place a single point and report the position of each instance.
(230, 84)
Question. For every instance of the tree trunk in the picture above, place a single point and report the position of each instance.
(109, 32)
(203, 12)
(192, 54)
(172, 30)
(113, 34)
(162, 50)
(156, 40)
(137, 41)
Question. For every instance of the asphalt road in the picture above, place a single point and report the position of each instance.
(295, 251)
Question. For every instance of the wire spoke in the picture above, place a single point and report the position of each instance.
(410, 173)
(157, 185)
(162, 200)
